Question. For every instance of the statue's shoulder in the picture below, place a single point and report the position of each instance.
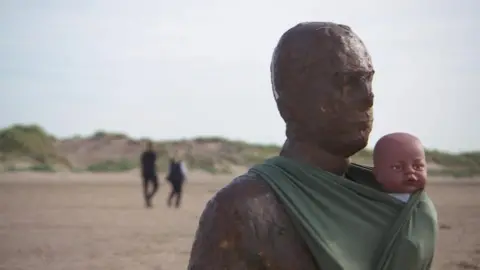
(244, 226)
(248, 197)
(245, 188)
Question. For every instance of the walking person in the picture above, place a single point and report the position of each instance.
(176, 177)
(149, 174)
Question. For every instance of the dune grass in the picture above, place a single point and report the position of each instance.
(210, 154)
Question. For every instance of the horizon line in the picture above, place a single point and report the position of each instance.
(195, 137)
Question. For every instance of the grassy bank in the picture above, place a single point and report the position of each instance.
(31, 148)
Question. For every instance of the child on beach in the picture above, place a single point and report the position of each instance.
(399, 164)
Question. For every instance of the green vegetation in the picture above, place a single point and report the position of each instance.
(30, 148)
(31, 168)
(457, 165)
(469, 159)
(27, 140)
(32, 142)
(103, 134)
(121, 165)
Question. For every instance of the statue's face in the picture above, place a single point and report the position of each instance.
(326, 90)
(344, 115)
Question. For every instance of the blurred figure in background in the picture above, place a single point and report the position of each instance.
(176, 176)
(149, 174)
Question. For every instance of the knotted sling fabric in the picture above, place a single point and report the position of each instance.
(352, 225)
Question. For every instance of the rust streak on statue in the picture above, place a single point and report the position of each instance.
(321, 76)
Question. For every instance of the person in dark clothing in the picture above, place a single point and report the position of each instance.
(149, 174)
(176, 177)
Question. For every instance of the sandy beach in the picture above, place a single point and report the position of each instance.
(98, 221)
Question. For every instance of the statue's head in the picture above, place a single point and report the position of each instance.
(322, 82)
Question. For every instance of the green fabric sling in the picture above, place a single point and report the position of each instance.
(352, 225)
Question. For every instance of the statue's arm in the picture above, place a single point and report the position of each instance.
(225, 237)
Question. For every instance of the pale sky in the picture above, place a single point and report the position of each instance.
(174, 69)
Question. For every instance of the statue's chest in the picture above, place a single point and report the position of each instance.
(283, 248)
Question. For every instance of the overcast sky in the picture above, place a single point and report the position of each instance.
(173, 69)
